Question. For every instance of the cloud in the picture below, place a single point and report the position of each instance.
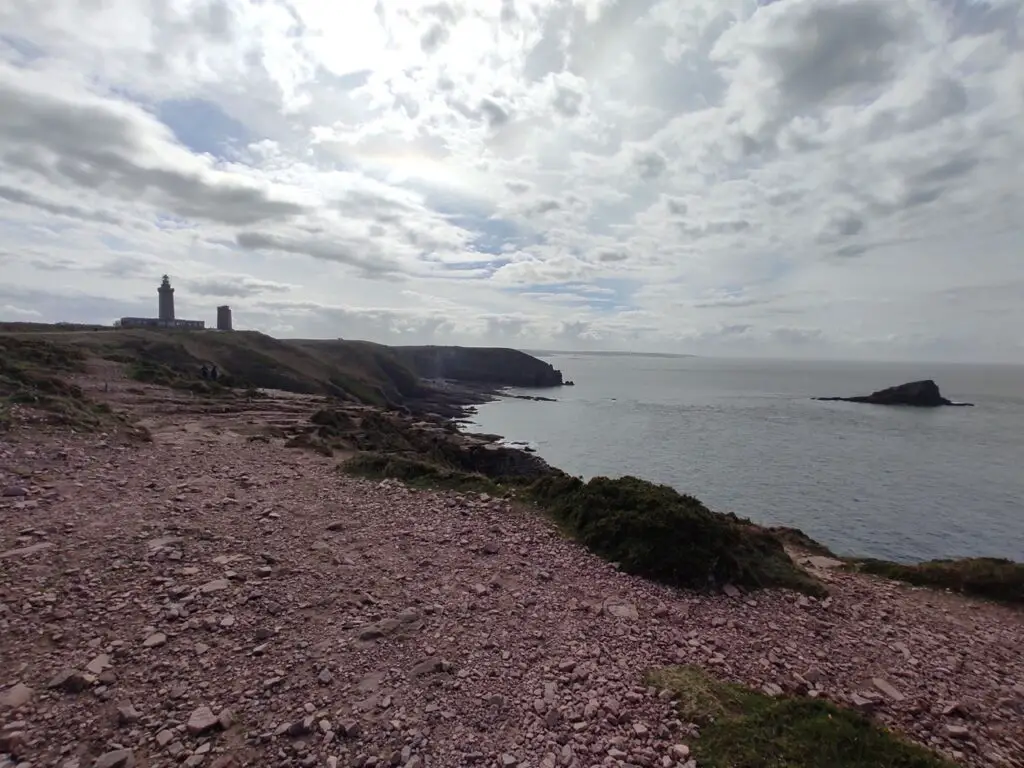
(26, 197)
(494, 113)
(233, 286)
(327, 249)
(650, 164)
(799, 177)
(9, 310)
(68, 137)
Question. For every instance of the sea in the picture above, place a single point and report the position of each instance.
(747, 436)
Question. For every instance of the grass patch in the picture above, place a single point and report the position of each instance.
(654, 531)
(420, 474)
(28, 377)
(989, 577)
(741, 728)
(166, 376)
(31, 375)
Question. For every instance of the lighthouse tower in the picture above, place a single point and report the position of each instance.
(166, 299)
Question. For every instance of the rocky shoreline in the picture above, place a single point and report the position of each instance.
(211, 598)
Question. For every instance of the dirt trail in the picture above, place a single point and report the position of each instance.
(208, 599)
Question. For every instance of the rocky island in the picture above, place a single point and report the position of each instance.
(920, 394)
(329, 573)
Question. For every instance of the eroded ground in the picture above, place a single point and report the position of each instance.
(209, 599)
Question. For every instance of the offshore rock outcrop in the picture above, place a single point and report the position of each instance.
(920, 394)
(491, 366)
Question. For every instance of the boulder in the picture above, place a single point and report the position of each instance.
(921, 394)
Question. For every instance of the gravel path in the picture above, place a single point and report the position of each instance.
(210, 600)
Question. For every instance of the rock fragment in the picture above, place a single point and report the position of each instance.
(69, 680)
(154, 640)
(887, 688)
(201, 720)
(127, 714)
(620, 608)
(217, 585)
(98, 664)
(119, 758)
(16, 696)
(428, 666)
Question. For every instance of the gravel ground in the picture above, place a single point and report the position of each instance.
(209, 600)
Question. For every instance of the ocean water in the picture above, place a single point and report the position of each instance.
(746, 436)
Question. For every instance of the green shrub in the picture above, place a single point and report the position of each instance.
(654, 531)
(741, 728)
(990, 577)
(419, 474)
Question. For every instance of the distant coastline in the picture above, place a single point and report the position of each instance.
(606, 353)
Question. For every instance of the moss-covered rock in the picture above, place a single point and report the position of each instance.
(741, 728)
(654, 531)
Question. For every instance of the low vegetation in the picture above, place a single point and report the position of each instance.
(33, 375)
(742, 728)
(988, 577)
(797, 539)
(650, 530)
(163, 375)
(357, 372)
(420, 474)
(654, 531)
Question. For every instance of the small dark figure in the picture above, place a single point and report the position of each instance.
(204, 372)
(213, 373)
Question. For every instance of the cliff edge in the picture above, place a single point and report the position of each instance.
(493, 366)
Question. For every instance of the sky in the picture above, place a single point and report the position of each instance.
(786, 178)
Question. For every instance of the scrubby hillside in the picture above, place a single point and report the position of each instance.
(484, 365)
(355, 371)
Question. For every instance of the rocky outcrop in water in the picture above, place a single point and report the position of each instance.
(920, 394)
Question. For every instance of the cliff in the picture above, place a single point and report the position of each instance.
(480, 365)
(353, 371)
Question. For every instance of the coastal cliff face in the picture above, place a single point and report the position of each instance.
(350, 371)
(480, 365)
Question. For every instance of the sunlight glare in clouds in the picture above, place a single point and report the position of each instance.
(833, 177)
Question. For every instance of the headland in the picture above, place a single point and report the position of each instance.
(306, 563)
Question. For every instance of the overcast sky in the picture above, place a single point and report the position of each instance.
(835, 178)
